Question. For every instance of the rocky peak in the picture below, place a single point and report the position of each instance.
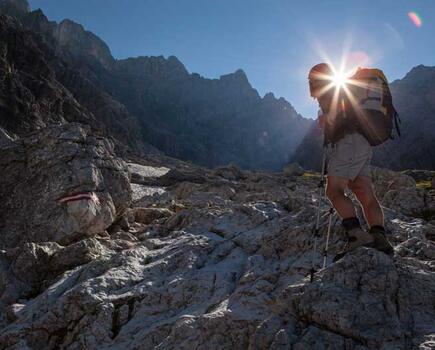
(238, 77)
(83, 43)
(16, 8)
(152, 66)
(67, 34)
(282, 104)
(269, 97)
(419, 70)
(420, 77)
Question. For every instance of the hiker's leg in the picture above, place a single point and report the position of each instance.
(335, 188)
(363, 190)
(357, 237)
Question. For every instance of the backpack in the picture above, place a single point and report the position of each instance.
(372, 105)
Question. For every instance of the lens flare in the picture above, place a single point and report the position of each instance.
(358, 58)
(339, 79)
(415, 18)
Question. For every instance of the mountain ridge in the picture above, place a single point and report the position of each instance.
(207, 121)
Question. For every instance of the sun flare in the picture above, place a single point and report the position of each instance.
(339, 79)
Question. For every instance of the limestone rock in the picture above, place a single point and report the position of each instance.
(229, 269)
(5, 139)
(230, 172)
(65, 174)
(175, 176)
(202, 259)
(386, 180)
(83, 43)
(294, 169)
(148, 215)
(409, 201)
(420, 175)
(12, 312)
(143, 174)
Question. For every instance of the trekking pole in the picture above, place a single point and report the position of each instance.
(325, 252)
(320, 186)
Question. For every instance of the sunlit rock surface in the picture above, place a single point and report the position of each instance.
(220, 262)
(59, 185)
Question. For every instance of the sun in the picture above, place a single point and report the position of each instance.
(339, 79)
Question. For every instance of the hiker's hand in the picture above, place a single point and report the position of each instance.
(321, 120)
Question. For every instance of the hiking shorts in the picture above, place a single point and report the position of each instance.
(349, 157)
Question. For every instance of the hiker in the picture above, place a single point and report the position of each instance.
(348, 154)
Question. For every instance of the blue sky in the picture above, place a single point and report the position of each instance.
(274, 41)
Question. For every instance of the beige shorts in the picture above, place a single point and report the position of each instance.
(349, 157)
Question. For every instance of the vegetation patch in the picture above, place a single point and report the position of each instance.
(309, 174)
(426, 184)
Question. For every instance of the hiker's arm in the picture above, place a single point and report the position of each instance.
(321, 120)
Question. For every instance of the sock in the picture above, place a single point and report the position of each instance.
(350, 223)
(377, 228)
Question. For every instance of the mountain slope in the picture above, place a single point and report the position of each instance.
(414, 98)
(207, 121)
(218, 261)
(40, 87)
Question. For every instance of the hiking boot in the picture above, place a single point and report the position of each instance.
(381, 242)
(356, 237)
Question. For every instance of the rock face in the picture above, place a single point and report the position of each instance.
(399, 191)
(32, 97)
(83, 44)
(218, 263)
(60, 184)
(154, 100)
(16, 8)
(43, 84)
(217, 121)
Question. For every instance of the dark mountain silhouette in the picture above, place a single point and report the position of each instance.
(156, 100)
(43, 85)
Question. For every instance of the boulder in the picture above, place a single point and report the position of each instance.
(12, 312)
(409, 201)
(294, 169)
(385, 180)
(175, 176)
(420, 175)
(148, 215)
(145, 174)
(60, 184)
(229, 172)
